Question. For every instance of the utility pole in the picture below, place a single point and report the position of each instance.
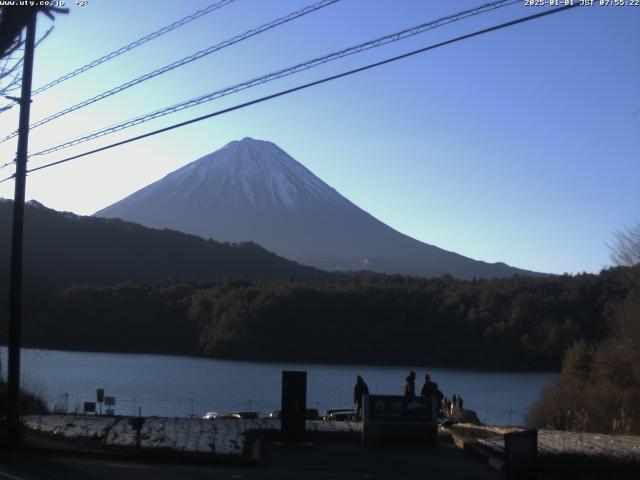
(15, 292)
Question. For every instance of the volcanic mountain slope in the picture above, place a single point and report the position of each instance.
(253, 190)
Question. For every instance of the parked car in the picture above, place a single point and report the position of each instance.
(210, 415)
(311, 414)
(339, 414)
(238, 415)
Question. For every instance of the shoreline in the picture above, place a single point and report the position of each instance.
(244, 359)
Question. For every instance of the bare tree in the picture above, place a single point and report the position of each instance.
(13, 19)
(625, 249)
(11, 73)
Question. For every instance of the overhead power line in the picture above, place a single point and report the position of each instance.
(305, 86)
(394, 37)
(7, 164)
(132, 45)
(180, 63)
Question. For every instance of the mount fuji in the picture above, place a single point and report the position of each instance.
(253, 190)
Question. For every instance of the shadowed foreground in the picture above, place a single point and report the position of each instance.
(322, 460)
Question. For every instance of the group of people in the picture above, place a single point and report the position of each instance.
(455, 402)
(429, 389)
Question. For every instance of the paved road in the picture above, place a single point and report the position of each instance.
(320, 461)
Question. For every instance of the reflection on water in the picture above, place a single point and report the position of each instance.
(179, 386)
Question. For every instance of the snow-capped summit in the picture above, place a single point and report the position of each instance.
(252, 190)
(246, 172)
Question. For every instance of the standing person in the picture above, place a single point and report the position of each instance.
(359, 391)
(409, 389)
(460, 403)
(429, 388)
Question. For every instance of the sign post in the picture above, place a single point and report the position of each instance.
(100, 397)
(109, 402)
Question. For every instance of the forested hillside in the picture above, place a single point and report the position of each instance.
(518, 323)
(61, 248)
(504, 323)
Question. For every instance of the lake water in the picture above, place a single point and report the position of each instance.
(179, 386)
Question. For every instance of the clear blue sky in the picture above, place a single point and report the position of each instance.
(520, 146)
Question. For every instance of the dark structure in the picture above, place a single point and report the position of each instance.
(12, 21)
(294, 406)
(521, 454)
(15, 286)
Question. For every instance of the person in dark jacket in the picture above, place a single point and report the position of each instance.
(409, 389)
(430, 389)
(359, 391)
